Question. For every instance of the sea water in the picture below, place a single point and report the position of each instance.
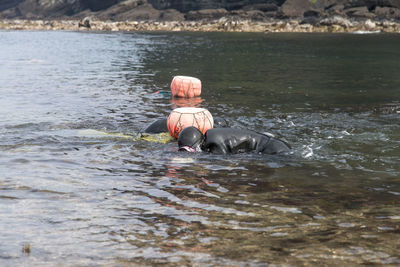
(71, 197)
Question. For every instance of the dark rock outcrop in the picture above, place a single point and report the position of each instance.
(387, 12)
(8, 4)
(130, 10)
(207, 14)
(295, 8)
(185, 6)
(309, 11)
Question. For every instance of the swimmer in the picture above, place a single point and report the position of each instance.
(229, 140)
(160, 125)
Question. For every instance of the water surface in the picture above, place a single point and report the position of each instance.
(68, 197)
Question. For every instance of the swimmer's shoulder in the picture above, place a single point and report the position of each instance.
(158, 126)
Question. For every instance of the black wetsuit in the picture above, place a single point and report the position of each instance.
(228, 140)
(159, 126)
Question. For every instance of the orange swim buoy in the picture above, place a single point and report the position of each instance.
(181, 118)
(185, 86)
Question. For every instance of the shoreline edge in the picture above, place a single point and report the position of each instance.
(334, 24)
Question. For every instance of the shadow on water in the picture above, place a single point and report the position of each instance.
(77, 185)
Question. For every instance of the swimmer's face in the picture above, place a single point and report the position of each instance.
(190, 149)
(187, 149)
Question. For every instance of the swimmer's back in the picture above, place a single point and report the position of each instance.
(229, 140)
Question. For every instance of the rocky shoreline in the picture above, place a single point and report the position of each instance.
(202, 15)
(332, 25)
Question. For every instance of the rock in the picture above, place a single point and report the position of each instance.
(10, 13)
(359, 12)
(336, 20)
(223, 24)
(295, 8)
(313, 20)
(307, 11)
(268, 7)
(35, 9)
(336, 10)
(387, 13)
(84, 23)
(185, 6)
(369, 25)
(272, 14)
(172, 15)
(95, 5)
(240, 14)
(206, 14)
(256, 15)
(130, 10)
(9, 9)
(370, 4)
(312, 13)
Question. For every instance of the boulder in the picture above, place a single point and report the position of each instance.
(185, 6)
(85, 22)
(9, 4)
(34, 9)
(295, 8)
(336, 9)
(166, 10)
(256, 15)
(312, 13)
(359, 12)
(336, 20)
(142, 12)
(96, 5)
(10, 13)
(370, 4)
(268, 7)
(239, 14)
(310, 20)
(130, 10)
(206, 14)
(311, 17)
(387, 13)
(369, 25)
(172, 15)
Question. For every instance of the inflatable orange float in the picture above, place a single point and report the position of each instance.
(181, 118)
(185, 86)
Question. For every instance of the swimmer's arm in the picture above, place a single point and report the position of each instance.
(215, 148)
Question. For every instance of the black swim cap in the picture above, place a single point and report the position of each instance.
(190, 137)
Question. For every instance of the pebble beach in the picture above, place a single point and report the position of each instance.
(330, 25)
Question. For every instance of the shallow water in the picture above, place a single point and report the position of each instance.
(71, 197)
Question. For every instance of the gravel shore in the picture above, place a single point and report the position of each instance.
(333, 24)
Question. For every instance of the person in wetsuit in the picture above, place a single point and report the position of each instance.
(229, 140)
(159, 126)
